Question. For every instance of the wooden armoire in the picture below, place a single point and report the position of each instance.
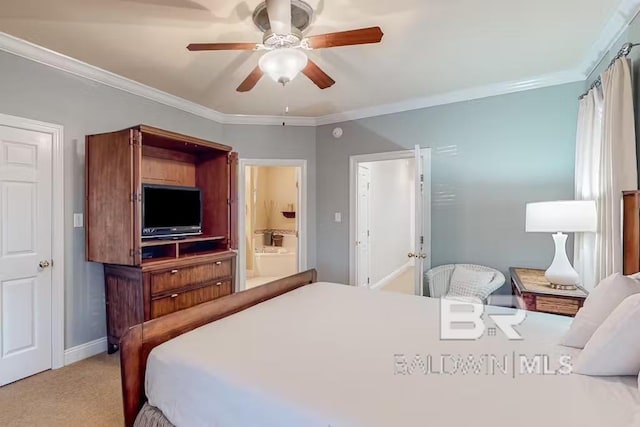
(145, 279)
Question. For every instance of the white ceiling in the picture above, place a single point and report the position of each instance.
(430, 47)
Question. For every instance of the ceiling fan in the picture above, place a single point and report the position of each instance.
(282, 22)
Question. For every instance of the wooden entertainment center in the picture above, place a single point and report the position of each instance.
(146, 279)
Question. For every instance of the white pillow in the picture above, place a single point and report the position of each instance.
(614, 349)
(466, 283)
(605, 297)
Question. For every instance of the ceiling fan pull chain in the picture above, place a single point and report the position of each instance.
(286, 105)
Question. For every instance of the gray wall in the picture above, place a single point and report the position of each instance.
(489, 157)
(34, 91)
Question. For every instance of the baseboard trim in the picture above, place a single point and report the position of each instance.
(392, 276)
(84, 351)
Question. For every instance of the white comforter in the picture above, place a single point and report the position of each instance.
(334, 355)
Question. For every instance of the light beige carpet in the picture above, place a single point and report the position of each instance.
(84, 394)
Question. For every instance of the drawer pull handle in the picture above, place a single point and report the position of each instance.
(174, 271)
(174, 295)
(219, 283)
(218, 262)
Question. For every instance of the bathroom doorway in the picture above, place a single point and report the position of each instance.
(272, 220)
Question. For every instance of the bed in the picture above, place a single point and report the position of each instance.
(300, 353)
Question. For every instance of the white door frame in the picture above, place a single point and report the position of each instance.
(354, 161)
(301, 215)
(368, 219)
(57, 238)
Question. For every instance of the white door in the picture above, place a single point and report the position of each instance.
(363, 246)
(422, 225)
(25, 253)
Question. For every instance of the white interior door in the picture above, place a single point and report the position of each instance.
(25, 253)
(363, 245)
(422, 226)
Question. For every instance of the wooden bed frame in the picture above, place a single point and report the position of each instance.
(630, 232)
(138, 342)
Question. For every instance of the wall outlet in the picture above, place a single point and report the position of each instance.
(78, 220)
(337, 217)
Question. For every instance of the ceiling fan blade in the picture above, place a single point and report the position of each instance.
(251, 80)
(346, 38)
(316, 75)
(221, 46)
(279, 12)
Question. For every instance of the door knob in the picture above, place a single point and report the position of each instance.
(412, 255)
(44, 264)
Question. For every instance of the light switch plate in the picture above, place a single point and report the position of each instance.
(337, 217)
(78, 220)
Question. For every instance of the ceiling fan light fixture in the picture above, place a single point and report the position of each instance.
(283, 65)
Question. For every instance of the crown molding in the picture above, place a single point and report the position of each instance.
(42, 55)
(616, 26)
(626, 11)
(479, 92)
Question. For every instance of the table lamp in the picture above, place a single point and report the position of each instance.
(573, 216)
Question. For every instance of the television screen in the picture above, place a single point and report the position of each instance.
(171, 210)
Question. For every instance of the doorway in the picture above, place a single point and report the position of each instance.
(390, 220)
(272, 220)
(31, 239)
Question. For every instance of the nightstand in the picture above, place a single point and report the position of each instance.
(532, 292)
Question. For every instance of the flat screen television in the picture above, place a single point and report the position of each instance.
(169, 211)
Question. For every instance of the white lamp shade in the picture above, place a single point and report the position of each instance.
(283, 65)
(572, 216)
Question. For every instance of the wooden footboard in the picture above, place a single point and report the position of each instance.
(138, 342)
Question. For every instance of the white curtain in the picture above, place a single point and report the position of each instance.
(588, 149)
(605, 166)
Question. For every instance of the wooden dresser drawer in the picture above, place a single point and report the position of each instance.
(181, 300)
(557, 305)
(534, 292)
(178, 278)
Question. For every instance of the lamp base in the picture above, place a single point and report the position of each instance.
(563, 287)
(560, 272)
